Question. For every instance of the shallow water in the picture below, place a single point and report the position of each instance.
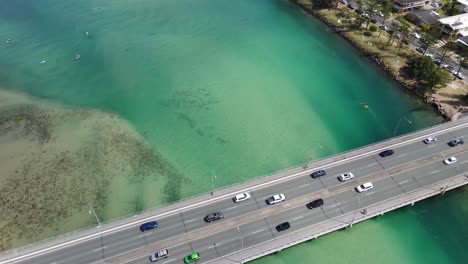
(232, 88)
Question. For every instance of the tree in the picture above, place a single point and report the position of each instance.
(325, 3)
(462, 59)
(386, 9)
(430, 35)
(404, 30)
(424, 70)
(451, 43)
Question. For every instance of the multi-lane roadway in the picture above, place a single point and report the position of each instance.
(413, 166)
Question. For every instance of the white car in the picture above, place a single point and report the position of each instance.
(459, 76)
(346, 176)
(241, 197)
(429, 55)
(277, 198)
(159, 255)
(450, 160)
(416, 35)
(364, 187)
(430, 140)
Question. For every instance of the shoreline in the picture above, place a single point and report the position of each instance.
(445, 110)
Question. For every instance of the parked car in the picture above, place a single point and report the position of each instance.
(364, 187)
(277, 198)
(148, 226)
(450, 68)
(283, 226)
(459, 76)
(386, 153)
(450, 160)
(318, 173)
(415, 35)
(346, 176)
(456, 142)
(430, 140)
(438, 62)
(365, 15)
(380, 14)
(419, 49)
(429, 55)
(315, 203)
(192, 258)
(383, 27)
(159, 255)
(211, 217)
(241, 197)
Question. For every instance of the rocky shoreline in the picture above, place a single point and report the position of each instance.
(447, 111)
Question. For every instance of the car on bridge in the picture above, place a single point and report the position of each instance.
(277, 198)
(148, 226)
(192, 257)
(283, 226)
(241, 197)
(386, 153)
(315, 204)
(456, 142)
(450, 160)
(161, 254)
(211, 217)
(318, 173)
(346, 176)
(364, 187)
(430, 140)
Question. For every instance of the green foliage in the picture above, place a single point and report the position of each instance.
(324, 3)
(424, 70)
(451, 8)
(373, 28)
(367, 33)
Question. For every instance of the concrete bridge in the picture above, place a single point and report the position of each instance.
(414, 172)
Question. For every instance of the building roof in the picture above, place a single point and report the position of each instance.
(463, 2)
(428, 17)
(458, 22)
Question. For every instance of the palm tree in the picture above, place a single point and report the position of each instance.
(451, 43)
(404, 30)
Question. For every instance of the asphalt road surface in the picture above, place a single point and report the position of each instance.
(246, 224)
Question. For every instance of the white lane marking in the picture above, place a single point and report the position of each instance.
(335, 205)
(404, 154)
(101, 248)
(304, 185)
(430, 146)
(372, 164)
(435, 171)
(169, 261)
(297, 218)
(191, 220)
(230, 208)
(214, 245)
(465, 161)
(194, 205)
(145, 234)
(367, 194)
(403, 182)
(255, 232)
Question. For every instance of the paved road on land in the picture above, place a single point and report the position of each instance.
(413, 166)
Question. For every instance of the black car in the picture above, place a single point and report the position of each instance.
(148, 226)
(438, 62)
(386, 153)
(315, 203)
(318, 173)
(456, 142)
(214, 216)
(283, 226)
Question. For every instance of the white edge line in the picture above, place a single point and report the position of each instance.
(88, 237)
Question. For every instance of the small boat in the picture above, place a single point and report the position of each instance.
(42, 62)
(77, 56)
(364, 105)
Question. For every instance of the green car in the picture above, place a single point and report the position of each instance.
(192, 257)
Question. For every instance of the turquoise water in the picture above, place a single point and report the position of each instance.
(236, 88)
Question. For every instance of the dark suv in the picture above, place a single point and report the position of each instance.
(386, 153)
(283, 226)
(214, 216)
(317, 174)
(314, 204)
(456, 142)
(148, 226)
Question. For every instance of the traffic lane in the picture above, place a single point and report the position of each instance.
(215, 246)
(255, 232)
(176, 255)
(364, 168)
(194, 218)
(82, 250)
(291, 189)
